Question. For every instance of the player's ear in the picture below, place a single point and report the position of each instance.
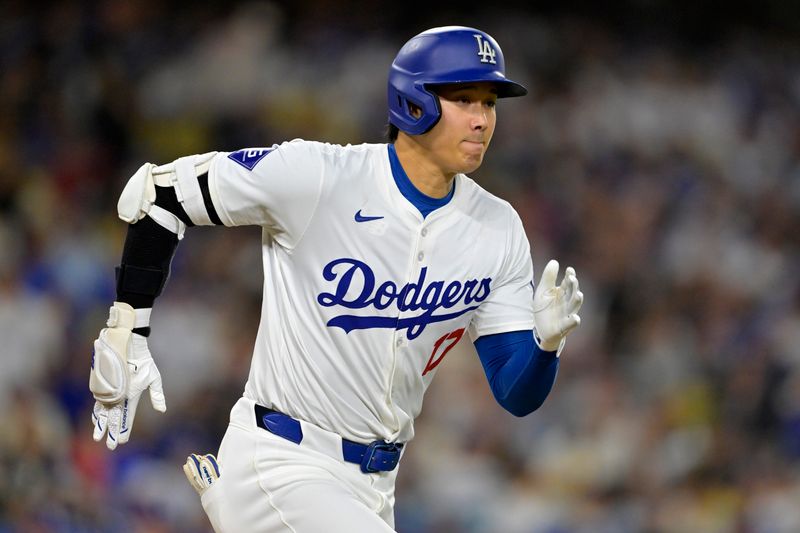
(415, 110)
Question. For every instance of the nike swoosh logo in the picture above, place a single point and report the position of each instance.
(362, 218)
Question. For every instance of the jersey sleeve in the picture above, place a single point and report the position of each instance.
(277, 188)
(509, 306)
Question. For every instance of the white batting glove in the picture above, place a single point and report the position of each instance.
(555, 308)
(202, 471)
(122, 369)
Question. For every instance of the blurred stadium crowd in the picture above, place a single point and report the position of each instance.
(668, 175)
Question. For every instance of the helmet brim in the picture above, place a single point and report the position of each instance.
(505, 88)
(510, 89)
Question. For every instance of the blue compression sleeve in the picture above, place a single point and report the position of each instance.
(519, 372)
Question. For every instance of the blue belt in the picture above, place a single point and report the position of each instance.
(377, 456)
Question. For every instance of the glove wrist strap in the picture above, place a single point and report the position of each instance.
(142, 317)
(121, 315)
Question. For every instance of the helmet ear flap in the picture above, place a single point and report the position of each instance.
(412, 115)
(433, 112)
(410, 108)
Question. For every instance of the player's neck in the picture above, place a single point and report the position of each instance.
(428, 177)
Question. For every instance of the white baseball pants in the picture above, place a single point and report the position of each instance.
(268, 484)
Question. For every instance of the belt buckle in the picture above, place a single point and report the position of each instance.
(385, 453)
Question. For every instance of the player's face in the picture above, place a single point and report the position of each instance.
(459, 140)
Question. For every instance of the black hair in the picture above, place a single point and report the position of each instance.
(391, 132)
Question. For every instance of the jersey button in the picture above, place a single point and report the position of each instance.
(420, 256)
(424, 231)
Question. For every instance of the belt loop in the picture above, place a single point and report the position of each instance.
(279, 424)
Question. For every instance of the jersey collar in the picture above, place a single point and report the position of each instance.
(424, 203)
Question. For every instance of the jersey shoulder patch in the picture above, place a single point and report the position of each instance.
(249, 157)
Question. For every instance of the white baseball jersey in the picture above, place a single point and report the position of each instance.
(362, 296)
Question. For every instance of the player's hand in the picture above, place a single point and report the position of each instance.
(202, 471)
(122, 369)
(555, 308)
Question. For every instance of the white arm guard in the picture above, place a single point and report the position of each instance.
(138, 199)
(139, 196)
(182, 175)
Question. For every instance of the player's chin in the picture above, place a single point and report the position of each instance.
(472, 155)
(471, 163)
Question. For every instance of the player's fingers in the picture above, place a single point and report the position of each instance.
(188, 471)
(575, 300)
(570, 283)
(127, 414)
(569, 323)
(192, 475)
(114, 417)
(99, 421)
(572, 279)
(567, 289)
(213, 460)
(202, 471)
(208, 468)
(194, 462)
(549, 274)
(575, 303)
(157, 395)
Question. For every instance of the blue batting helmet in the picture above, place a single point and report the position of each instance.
(451, 54)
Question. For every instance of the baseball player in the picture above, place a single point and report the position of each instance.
(378, 260)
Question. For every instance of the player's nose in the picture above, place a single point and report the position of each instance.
(480, 120)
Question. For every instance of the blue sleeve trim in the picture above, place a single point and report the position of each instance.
(520, 373)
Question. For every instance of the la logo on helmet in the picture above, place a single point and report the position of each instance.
(485, 50)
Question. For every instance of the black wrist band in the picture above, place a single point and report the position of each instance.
(144, 332)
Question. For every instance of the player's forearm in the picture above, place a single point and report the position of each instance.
(155, 203)
(520, 374)
(151, 246)
(147, 255)
(145, 263)
(527, 390)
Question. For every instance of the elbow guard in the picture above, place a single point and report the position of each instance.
(188, 176)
